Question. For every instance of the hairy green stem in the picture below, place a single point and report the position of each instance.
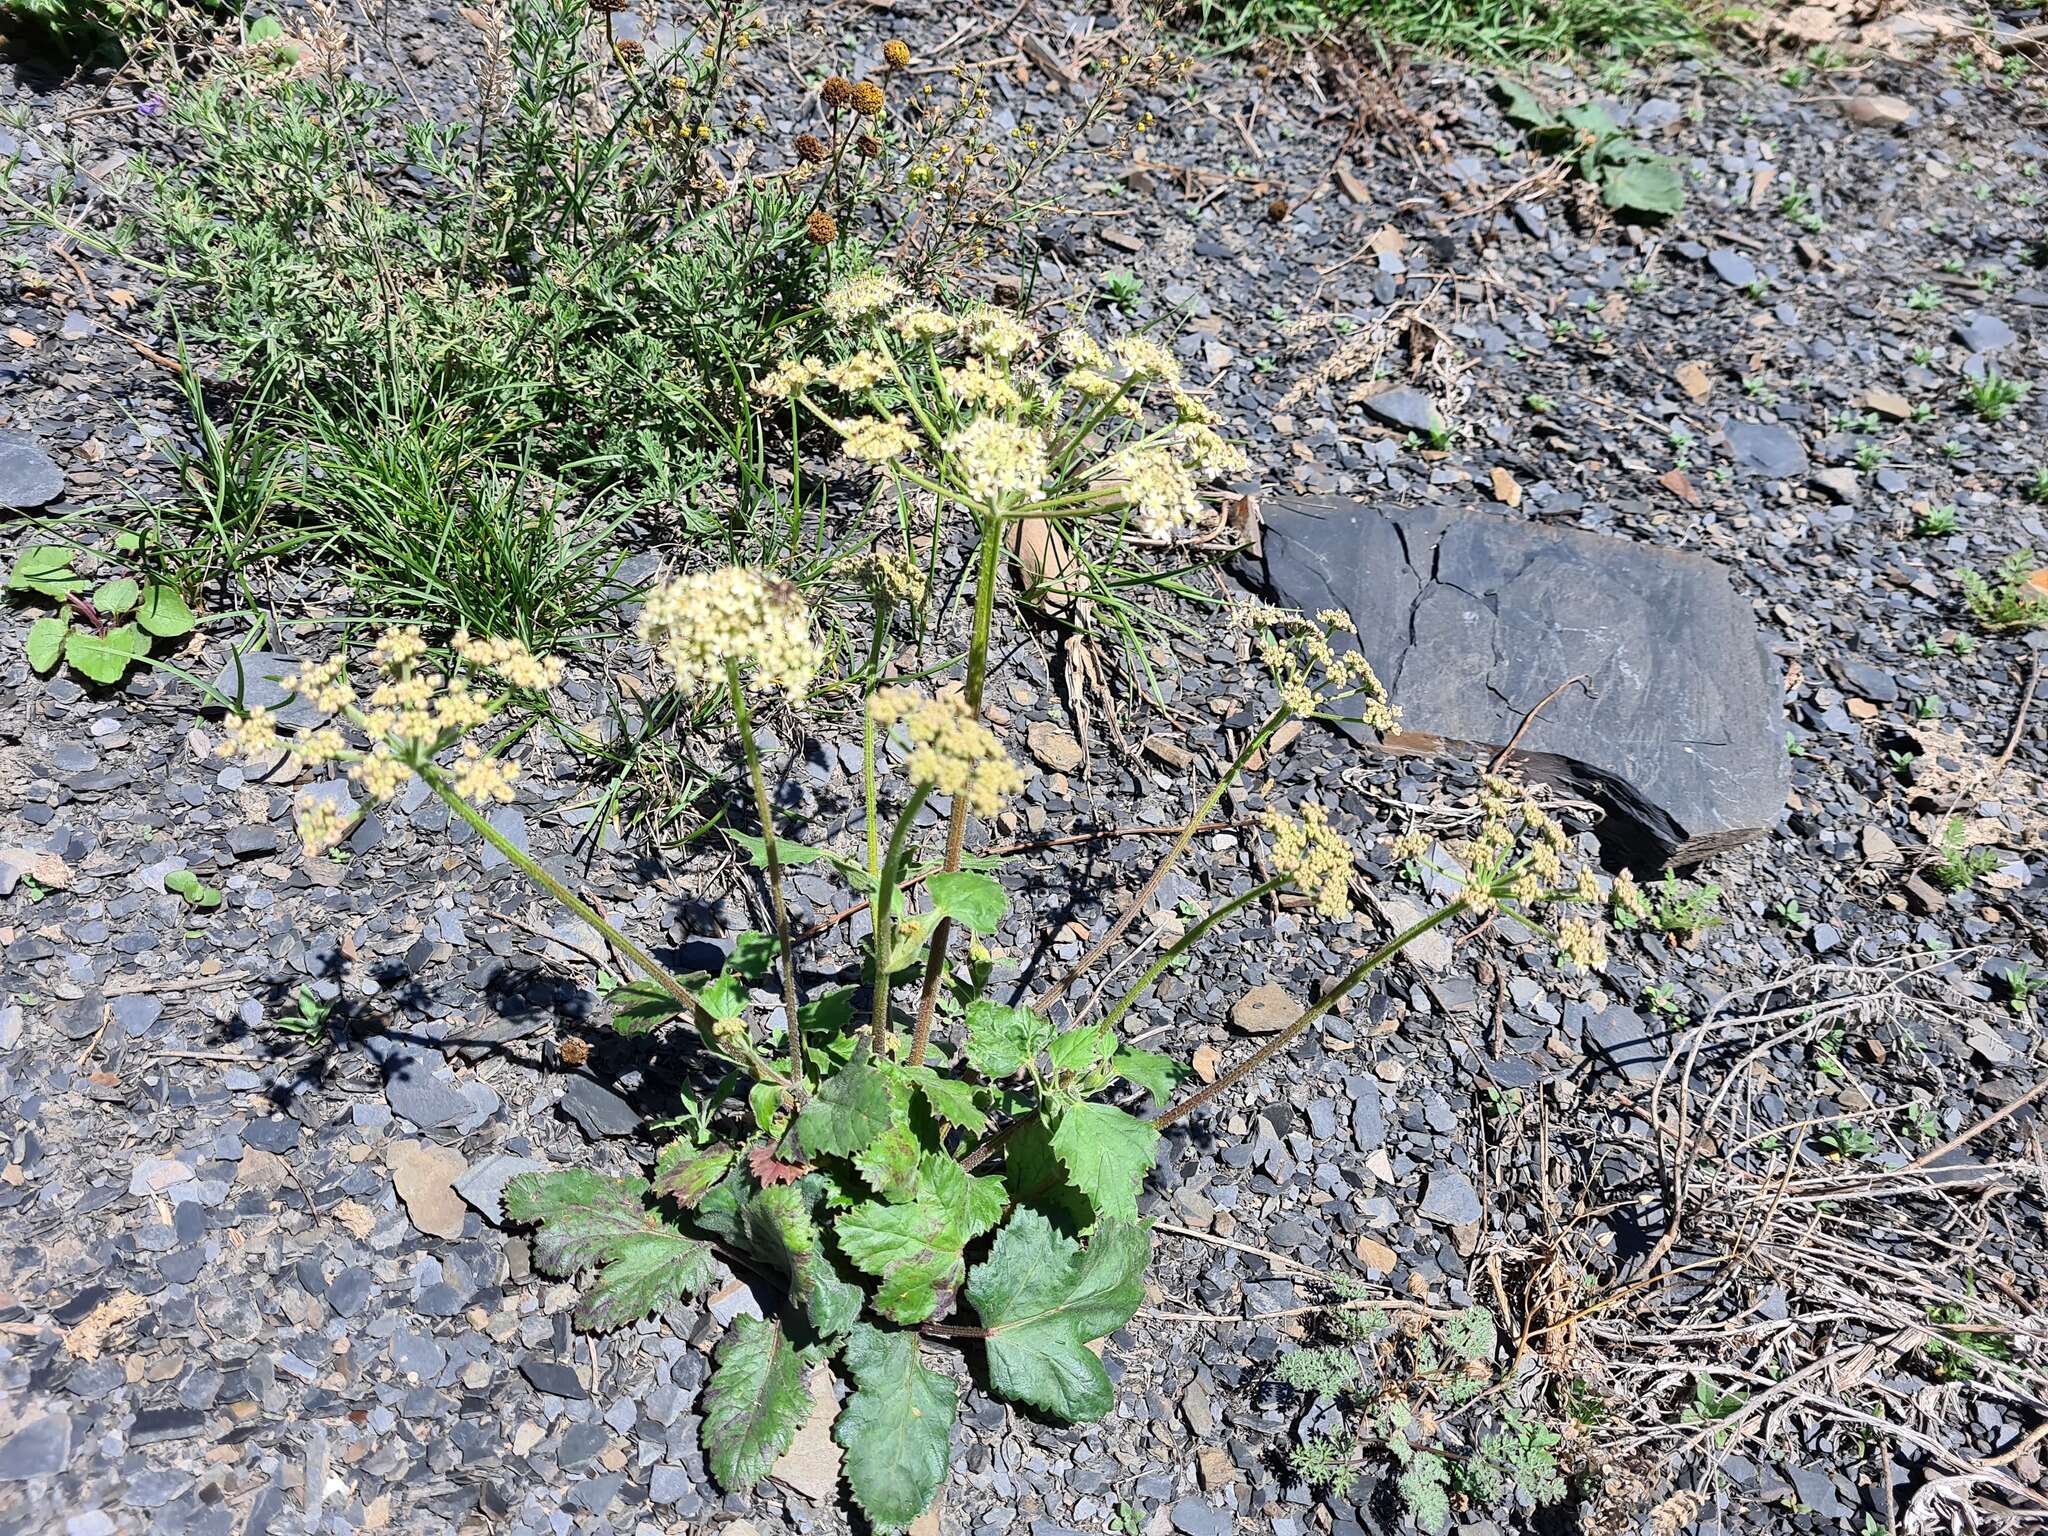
(1179, 845)
(885, 893)
(1186, 942)
(772, 852)
(867, 737)
(1309, 1015)
(538, 874)
(956, 826)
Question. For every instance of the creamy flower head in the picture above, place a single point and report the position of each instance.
(508, 659)
(1310, 853)
(876, 439)
(1144, 359)
(863, 370)
(700, 622)
(921, 323)
(950, 749)
(862, 298)
(975, 383)
(996, 458)
(996, 333)
(789, 377)
(321, 821)
(1160, 491)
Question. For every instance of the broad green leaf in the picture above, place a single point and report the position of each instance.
(951, 1100)
(265, 29)
(907, 938)
(197, 893)
(685, 1174)
(914, 1250)
(765, 1100)
(1157, 1075)
(163, 612)
(780, 1232)
(889, 1164)
(974, 901)
(46, 568)
(790, 854)
(591, 1222)
(851, 1110)
(1001, 1038)
(724, 997)
(1590, 120)
(46, 641)
(117, 596)
(896, 1427)
(104, 658)
(973, 1202)
(639, 1006)
(1107, 1154)
(1644, 186)
(755, 1403)
(1521, 107)
(1042, 1297)
(1082, 1047)
(753, 955)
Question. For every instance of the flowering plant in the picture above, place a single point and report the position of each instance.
(920, 1142)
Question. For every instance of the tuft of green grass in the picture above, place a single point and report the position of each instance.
(1502, 32)
(1993, 396)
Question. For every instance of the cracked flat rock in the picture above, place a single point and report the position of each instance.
(1472, 621)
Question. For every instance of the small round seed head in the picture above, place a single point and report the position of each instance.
(630, 50)
(821, 227)
(869, 146)
(837, 92)
(811, 149)
(1277, 209)
(610, 7)
(896, 53)
(867, 99)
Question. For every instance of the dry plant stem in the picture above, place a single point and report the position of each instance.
(771, 850)
(1309, 1015)
(1157, 878)
(956, 825)
(575, 904)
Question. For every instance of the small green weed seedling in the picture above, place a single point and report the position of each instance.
(2011, 599)
(1935, 522)
(2021, 981)
(199, 896)
(1959, 866)
(309, 1017)
(1399, 1407)
(1847, 1142)
(1671, 906)
(1993, 396)
(99, 630)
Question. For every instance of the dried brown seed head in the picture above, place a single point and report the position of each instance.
(811, 149)
(837, 92)
(821, 227)
(867, 98)
(896, 53)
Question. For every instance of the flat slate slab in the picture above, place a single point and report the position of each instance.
(1470, 620)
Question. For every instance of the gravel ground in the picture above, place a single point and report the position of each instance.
(256, 1283)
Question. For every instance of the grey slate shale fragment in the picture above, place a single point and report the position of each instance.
(29, 478)
(1470, 620)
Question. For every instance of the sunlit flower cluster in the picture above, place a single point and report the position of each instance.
(975, 383)
(477, 776)
(1309, 670)
(789, 377)
(876, 439)
(1160, 490)
(320, 822)
(950, 749)
(892, 577)
(996, 459)
(1309, 851)
(922, 323)
(510, 660)
(996, 333)
(863, 370)
(862, 298)
(700, 622)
